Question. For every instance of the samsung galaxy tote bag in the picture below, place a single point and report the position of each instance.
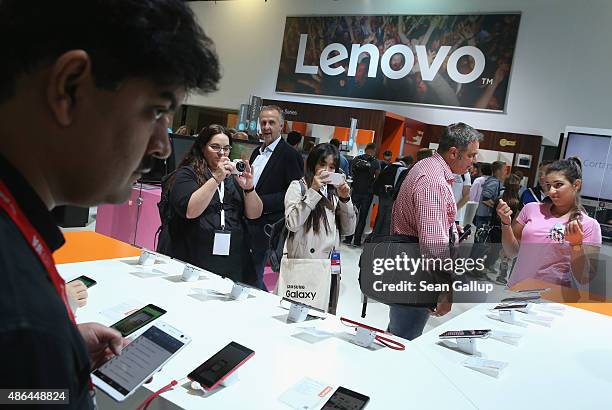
(306, 281)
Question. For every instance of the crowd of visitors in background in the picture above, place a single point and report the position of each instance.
(428, 198)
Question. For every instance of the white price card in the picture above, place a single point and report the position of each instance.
(489, 367)
(306, 394)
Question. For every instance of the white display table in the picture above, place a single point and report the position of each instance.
(565, 366)
(393, 379)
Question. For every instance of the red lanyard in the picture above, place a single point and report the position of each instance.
(36, 243)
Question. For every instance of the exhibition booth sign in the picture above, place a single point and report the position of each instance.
(459, 61)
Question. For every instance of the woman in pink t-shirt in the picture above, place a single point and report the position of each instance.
(553, 242)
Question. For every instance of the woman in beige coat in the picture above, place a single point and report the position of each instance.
(317, 218)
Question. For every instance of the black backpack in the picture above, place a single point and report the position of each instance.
(278, 233)
(165, 214)
(362, 167)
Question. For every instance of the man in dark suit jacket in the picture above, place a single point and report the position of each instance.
(275, 164)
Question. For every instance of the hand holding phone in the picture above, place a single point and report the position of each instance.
(336, 179)
(87, 281)
(138, 319)
(77, 292)
(122, 375)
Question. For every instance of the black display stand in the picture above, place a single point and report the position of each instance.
(71, 216)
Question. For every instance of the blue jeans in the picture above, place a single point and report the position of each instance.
(407, 321)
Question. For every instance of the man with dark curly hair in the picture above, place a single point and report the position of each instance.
(86, 90)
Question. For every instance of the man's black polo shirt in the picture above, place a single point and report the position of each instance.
(40, 347)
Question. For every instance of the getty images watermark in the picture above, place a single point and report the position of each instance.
(407, 273)
(412, 266)
(410, 274)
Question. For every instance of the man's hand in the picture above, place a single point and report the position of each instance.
(101, 341)
(444, 305)
(77, 291)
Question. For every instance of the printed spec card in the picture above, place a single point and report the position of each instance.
(306, 394)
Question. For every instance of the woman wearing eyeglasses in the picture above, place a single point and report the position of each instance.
(209, 203)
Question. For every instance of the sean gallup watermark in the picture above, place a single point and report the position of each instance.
(413, 266)
(411, 274)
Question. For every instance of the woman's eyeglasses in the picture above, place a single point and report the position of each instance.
(218, 148)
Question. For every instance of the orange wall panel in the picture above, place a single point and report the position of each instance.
(342, 133)
(299, 127)
(364, 136)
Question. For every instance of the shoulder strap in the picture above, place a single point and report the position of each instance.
(535, 196)
(398, 172)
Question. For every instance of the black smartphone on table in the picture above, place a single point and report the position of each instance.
(345, 399)
(138, 319)
(511, 306)
(222, 364)
(453, 334)
(87, 281)
(521, 299)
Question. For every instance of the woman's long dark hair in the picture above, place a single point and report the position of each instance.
(195, 155)
(512, 186)
(318, 156)
(571, 169)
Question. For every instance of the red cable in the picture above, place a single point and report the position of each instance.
(385, 341)
(391, 344)
(145, 404)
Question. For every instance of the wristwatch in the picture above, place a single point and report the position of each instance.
(246, 191)
(345, 200)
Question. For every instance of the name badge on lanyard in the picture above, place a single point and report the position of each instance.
(221, 245)
(335, 262)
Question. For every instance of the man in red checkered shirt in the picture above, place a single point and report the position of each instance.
(425, 210)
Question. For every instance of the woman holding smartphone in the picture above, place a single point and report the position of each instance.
(318, 210)
(555, 242)
(208, 201)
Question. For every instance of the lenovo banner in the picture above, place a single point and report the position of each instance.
(456, 61)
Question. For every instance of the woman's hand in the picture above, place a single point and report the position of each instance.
(322, 178)
(504, 212)
(224, 168)
(245, 180)
(344, 191)
(573, 233)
